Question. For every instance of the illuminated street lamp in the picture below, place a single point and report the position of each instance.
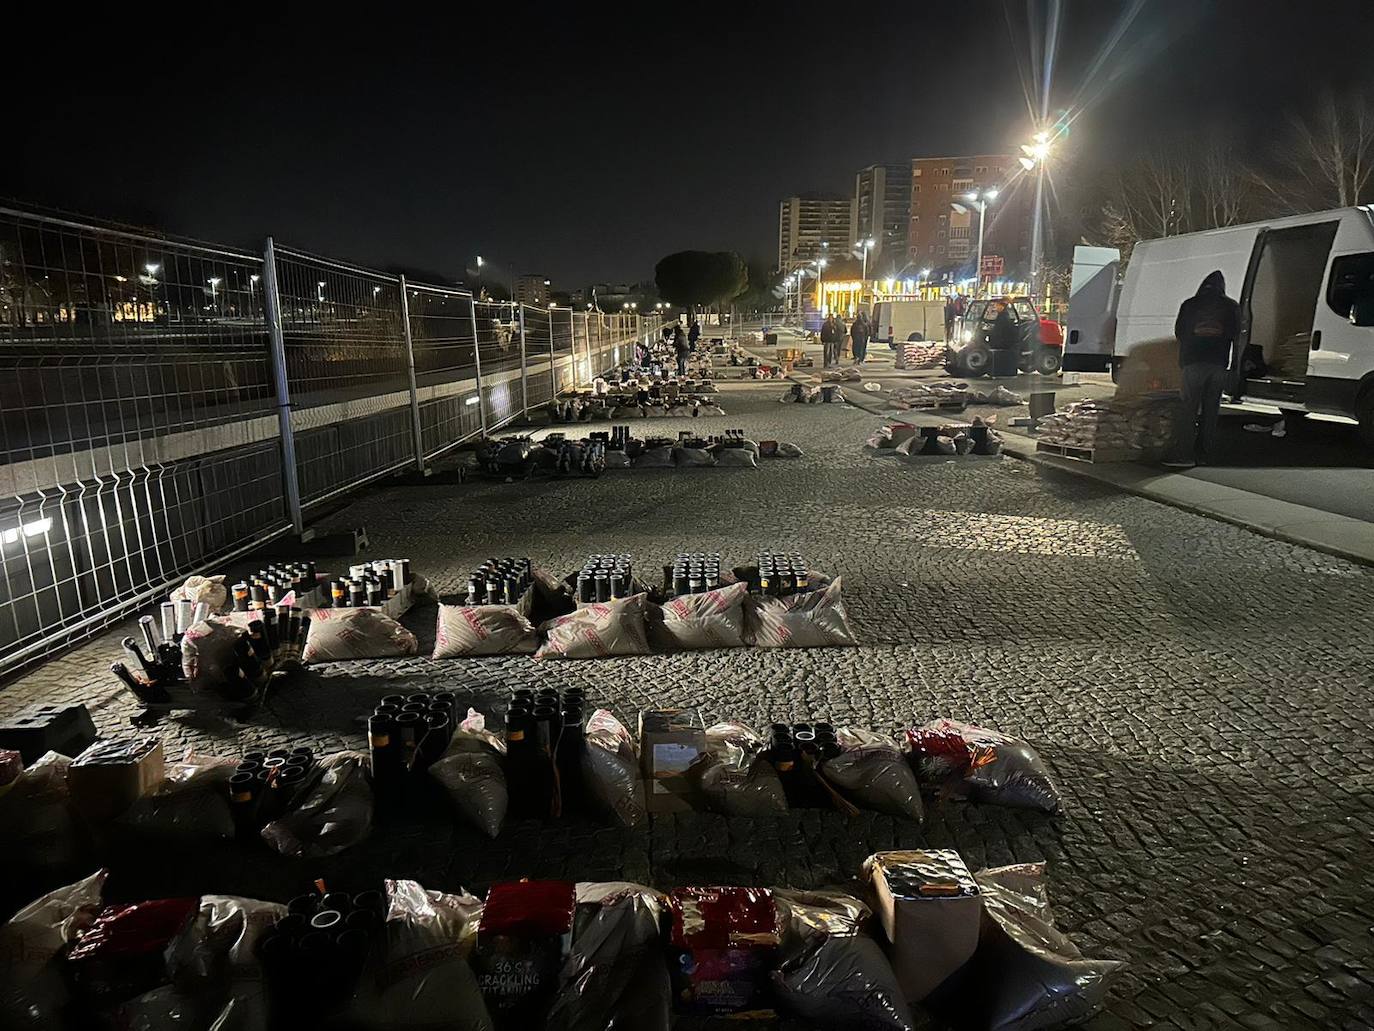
(1033, 156)
(982, 198)
(151, 269)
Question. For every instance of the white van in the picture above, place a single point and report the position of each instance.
(895, 322)
(1306, 290)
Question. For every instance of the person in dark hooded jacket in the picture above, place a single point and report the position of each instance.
(1206, 330)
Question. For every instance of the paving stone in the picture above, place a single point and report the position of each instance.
(1201, 694)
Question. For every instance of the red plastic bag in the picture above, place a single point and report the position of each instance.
(986, 764)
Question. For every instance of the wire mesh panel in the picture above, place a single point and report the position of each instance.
(499, 354)
(346, 363)
(564, 367)
(538, 355)
(137, 437)
(441, 335)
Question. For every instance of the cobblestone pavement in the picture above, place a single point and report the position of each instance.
(1201, 693)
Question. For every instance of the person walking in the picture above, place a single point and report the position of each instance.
(1206, 330)
(949, 317)
(832, 335)
(681, 349)
(694, 334)
(859, 332)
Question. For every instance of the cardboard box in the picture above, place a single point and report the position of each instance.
(930, 908)
(670, 741)
(113, 774)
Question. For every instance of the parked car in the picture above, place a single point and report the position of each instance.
(969, 353)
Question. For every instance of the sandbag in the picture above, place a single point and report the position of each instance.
(945, 445)
(843, 981)
(872, 773)
(335, 814)
(986, 764)
(692, 456)
(811, 619)
(33, 990)
(597, 630)
(42, 837)
(421, 977)
(736, 458)
(483, 630)
(191, 805)
(337, 635)
(655, 458)
(610, 768)
(209, 589)
(471, 775)
(712, 619)
(788, 450)
(709, 409)
(615, 931)
(209, 648)
(617, 460)
(735, 780)
(1025, 975)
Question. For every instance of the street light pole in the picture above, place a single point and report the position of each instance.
(863, 278)
(981, 198)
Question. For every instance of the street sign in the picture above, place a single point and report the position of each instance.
(992, 267)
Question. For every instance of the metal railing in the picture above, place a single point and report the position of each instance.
(166, 405)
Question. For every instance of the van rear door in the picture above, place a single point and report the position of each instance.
(1092, 309)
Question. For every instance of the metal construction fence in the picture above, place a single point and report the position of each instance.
(169, 404)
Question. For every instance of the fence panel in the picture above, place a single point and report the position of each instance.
(564, 362)
(442, 333)
(346, 363)
(137, 435)
(498, 351)
(538, 356)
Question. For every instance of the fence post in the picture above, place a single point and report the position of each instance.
(277, 343)
(410, 371)
(477, 365)
(553, 360)
(524, 368)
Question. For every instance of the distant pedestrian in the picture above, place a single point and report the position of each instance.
(832, 336)
(1206, 329)
(694, 334)
(859, 332)
(949, 317)
(681, 348)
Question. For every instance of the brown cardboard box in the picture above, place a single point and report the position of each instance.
(670, 741)
(113, 774)
(930, 907)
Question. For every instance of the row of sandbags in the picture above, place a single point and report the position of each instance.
(1142, 423)
(561, 955)
(920, 354)
(908, 440)
(923, 395)
(737, 774)
(801, 393)
(728, 617)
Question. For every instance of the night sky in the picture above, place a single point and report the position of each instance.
(586, 142)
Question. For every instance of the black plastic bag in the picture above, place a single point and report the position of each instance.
(335, 813)
(471, 775)
(735, 779)
(872, 773)
(610, 768)
(615, 933)
(986, 764)
(190, 805)
(1025, 975)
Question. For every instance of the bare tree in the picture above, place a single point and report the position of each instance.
(1178, 186)
(1326, 158)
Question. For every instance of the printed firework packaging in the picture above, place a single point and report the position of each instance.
(671, 741)
(723, 943)
(523, 938)
(111, 775)
(929, 906)
(483, 630)
(597, 630)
